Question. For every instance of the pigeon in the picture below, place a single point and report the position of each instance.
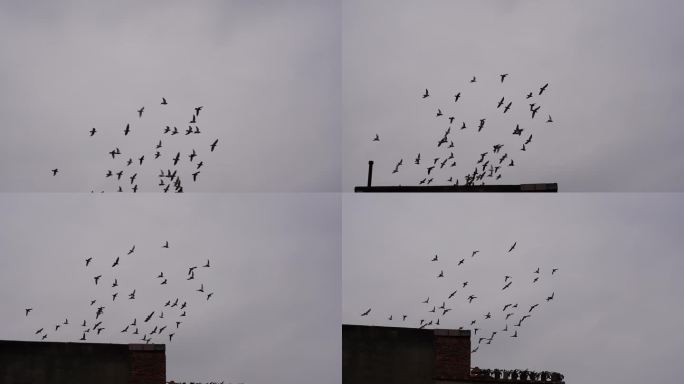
(366, 313)
(92, 131)
(213, 145)
(503, 77)
(28, 310)
(163, 101)
(54, 172)
(542, 89)
(377, 137)
(426, 94)
(513, 246)
(131, 250)
(140, 111)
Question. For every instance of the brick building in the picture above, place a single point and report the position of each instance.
(420, 356)
(23, 362)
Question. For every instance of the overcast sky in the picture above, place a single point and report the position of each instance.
(274, 270)
(266, 72)
(616, 311)
(615, 90)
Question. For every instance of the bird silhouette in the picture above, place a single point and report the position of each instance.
(426, 94)
(127, 130)
(377, 137)
(92, 131)
(140, 111)
(503, 77)
(543, 88)
(54, 172)
(513, 246)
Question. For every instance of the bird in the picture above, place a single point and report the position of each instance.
(166, 245)
(456, 97)
(116, 262)
(534, 111)
(140, 111)
(28, 310)
(550, 120)
(115, 284)
(441, 274)
(366, 313)
(127, 130)
(88, 260)
(163, 282)
(507, 285)
(452, 294)
(198, 109)
(54, 172)
(503, 77)
(192, 155)
(554, 270)
(426, 94)
(131, 296)
(529, 95)
(513, 246)
(176, 159)
(508, 106)
(500, 103)
(515, 334)
(206, 265)
(97, 278)
(114, 295)
(417, 161)
(474, 79)
(131, 250)
(426, 300)
(209, 296)
(482, 121)
(434, 258)
(488, 315)
(465, 283)
(213, 145)
(471, 298)
(439, 112)
(533, 307)
(140, 159)
(83, 337)
(149, 317)
(517, 131)
(550, 297)
(542, 89)
(92, 131)
(163, 101)
(461, 261)
(194, 176)
(377, 137)
(529, 139)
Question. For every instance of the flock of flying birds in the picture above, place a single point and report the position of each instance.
(512, 314)
(493, 161)
(124, 168)
(160, 321)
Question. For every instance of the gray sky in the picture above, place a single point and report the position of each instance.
(616, 312)
(266, 72)
(615, 92)
(275, 274)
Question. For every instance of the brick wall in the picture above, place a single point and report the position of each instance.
(452, 354)
(147, 364)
